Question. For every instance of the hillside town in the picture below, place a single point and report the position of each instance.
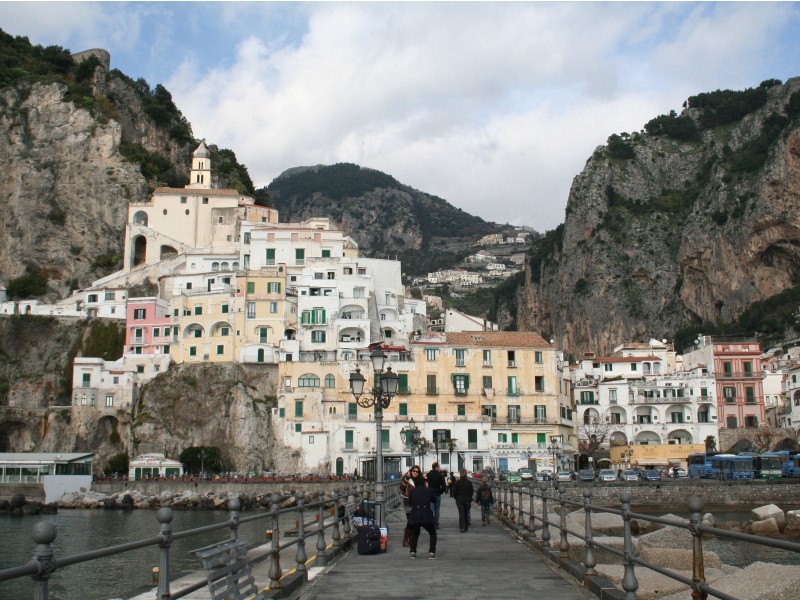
(209, 276)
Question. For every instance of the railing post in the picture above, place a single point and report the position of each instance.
(629, 581)
(275, 572)
(511, 515)
(164, 516)
(234, 504)
(346, 522)
(531, 519)
(589, 561)
(564, 545)
(301, 557)
(337, 538)
(321, 533)
(505, 499)
(698, 566)
(44, 533)
(545, 524)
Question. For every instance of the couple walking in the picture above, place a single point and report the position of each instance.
(422, 501)
(463, 491)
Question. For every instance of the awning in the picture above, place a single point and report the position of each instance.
(652, 461)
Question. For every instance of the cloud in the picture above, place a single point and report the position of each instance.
(493, 106)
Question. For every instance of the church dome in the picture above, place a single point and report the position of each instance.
(202, 151)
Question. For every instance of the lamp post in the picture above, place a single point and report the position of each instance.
(411, 437)
(555, 448)
(202, 464)
(379, 397)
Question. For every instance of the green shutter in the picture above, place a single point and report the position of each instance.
(348, 436)
(541, 438)
(384, 438)
(298, 408)
(402, 382)
(403, 409)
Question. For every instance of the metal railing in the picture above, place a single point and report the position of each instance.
(524, 522)
(332, 514)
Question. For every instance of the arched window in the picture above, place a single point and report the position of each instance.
(260, 355)
(140, 218)
(308, 380)
(236, 265)
(224, 266)
(330, 381)
(215, 266)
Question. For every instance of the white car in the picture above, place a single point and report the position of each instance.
(607, 475)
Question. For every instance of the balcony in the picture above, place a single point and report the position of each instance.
(432, 391)
(675, 400)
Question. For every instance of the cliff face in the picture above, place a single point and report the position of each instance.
(679, 233)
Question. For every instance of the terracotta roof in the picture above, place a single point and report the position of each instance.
(511, 339)
(196, 192)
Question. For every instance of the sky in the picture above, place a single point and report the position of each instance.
(494, 107)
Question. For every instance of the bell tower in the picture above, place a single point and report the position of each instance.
(200, 175)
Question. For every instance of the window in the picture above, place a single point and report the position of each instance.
(224, 309)
(512, 358)
(156, 332)
(540, 412)
(298, 408)
(273, 287)
(198, 310)
(273, 307)
(751, 421)
(748, 368)
(539, 383)
(608, 367)
(634, 367)
(704, 392)
(319, 275)
(246, 237)
(750, 396)
(330, 381)
(727, 368)
(347, 271)
(348, 439)
(308, 380)
(109, 400)
(514, 414)
(224, 331)
(676, 417)
(487, 382)
(251, 310)
(299, 256)
(537, 357)
(251, 287)
(430, 354)
(183, 199)
(109, 296)
(115, 380)
(587, 397)
(512, 386)
(205, 200)
(432, 409)
(352, 411)
(430, 386)
(87, 378)
(402, 409)
(326, 254)
(220, 349)
(215, 266)
(612, 396)
(731, 422)
(358, 292)
(318, 336)
(139, 314)
(298, 427)
(198, 333)
(91, 298)
(730, 394)
(192, 350)
(487, 358)
(502, 438)
(461, 410)
(461, 384)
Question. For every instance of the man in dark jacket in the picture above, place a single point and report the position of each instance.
(462, 492)
(421, 515)
(438, 485)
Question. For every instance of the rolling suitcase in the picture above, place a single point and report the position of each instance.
(369, 539)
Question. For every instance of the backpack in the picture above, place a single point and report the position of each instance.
(486, 494)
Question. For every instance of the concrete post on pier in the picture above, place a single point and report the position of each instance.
(589, 561)
(629, 582)
(301, 557)
(698, 566)
(349, 491)
(234, 504)
(531, 535)
(275, 573)
(564, 545)
(322, 559)
(511, 516)
(545, 524)
(44, 533)
(164, 517)
(337, 538)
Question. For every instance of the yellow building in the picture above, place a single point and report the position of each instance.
(261, 314)
(657, 456)
(204, 324)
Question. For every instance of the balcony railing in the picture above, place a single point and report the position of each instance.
(643, 400)
(432, 391)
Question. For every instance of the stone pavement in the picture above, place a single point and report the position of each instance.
(485, 562)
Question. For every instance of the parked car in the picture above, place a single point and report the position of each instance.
(503, 474)
(565, 476)
(607, 475)
(487, 473)
(586, 475)
(526, 474)
(513, 477)
(540, 477)
(650, 475)
(680, 472)
(629, 475)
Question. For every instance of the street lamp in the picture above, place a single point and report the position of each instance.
(202, 464)
(411, 437)
(379, 397)
(555, 448)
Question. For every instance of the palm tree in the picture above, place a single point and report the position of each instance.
(451, 447)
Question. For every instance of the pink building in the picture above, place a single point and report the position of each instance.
(147, 326)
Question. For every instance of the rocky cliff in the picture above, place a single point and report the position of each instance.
(671, 230)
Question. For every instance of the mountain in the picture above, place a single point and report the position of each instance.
(385, 217)
(680, 228)
(79, 142)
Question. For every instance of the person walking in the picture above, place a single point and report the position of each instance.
(462, 492)
(484, 498)
(438, 485)
(412, 479)
(421, 516)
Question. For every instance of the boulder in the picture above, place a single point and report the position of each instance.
(17, 501)
(769, 511)
(792, 528)
(678, 559)
(709, 520)
(765, 527)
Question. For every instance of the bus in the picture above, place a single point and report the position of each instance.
(699, 464)
(766, 466)
(796, 465)
(730, 466)
(787, 461)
